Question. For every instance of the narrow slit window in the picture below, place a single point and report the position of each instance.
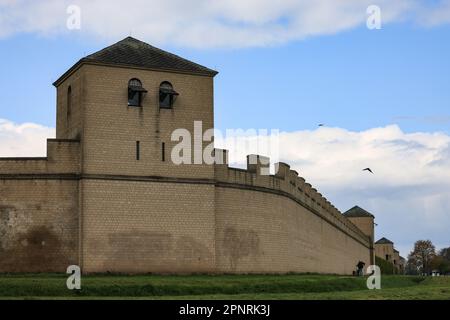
(138, 150)
(163, 152)
(69, 101)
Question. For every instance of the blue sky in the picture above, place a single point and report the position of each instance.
(357, 79)
(383, 94)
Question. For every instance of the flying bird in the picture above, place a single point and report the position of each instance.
(321, 125)
(368, 169)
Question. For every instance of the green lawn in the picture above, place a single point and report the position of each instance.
(53, 286)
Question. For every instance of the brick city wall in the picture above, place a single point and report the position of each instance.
(279, 223)
(92, 202)
(39, 210)
(146, 226)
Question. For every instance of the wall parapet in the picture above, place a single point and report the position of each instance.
(285, 182)
(63, 157)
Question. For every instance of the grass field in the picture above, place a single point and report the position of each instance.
(53, 286)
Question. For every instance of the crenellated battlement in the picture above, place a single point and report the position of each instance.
(286, 182)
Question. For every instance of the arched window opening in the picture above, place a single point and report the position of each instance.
(167, 95)
(135, 93)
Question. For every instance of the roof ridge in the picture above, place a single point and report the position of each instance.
(135, 53)
(356, 211)
(384, 240)
(105, 48)
(129, 41)
(166, 52)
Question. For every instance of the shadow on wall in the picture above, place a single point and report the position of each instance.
(239, 244)
(38, 250)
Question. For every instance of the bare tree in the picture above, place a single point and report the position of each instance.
(421, 256)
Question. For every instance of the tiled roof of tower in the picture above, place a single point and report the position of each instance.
(135, 53)
(358, 212)
(384, 241)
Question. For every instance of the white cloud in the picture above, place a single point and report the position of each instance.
(23, 140)
(409, 192)
(203, 23)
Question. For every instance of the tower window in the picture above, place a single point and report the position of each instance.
(135, 93)
(167, 95)
(69, 101)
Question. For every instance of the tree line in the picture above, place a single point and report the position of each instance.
(424, 259)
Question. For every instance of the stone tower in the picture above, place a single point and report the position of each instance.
(123, 103)
(364, 220)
